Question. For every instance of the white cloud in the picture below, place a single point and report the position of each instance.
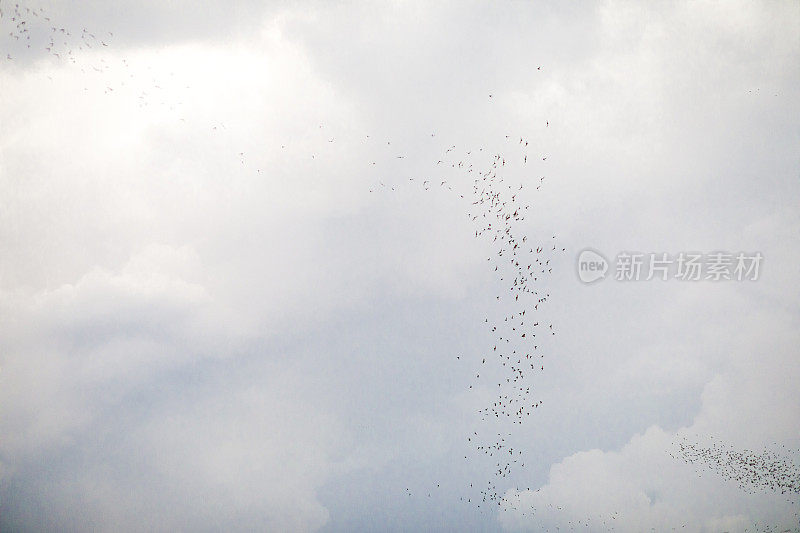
(208, 321)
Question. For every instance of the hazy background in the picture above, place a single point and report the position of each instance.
(209, 322)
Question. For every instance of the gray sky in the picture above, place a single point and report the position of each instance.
(224, 306)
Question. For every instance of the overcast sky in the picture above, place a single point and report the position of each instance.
(225, 307)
